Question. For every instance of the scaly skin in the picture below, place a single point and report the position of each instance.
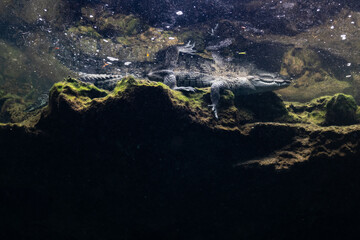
(187, 81)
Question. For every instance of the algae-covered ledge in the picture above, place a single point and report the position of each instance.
(234, 112)
(140, 113)
(339, 109)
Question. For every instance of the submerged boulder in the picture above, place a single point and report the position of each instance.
(233, 111)
(145, 161)
(341, 110)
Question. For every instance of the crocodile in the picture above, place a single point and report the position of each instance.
(184, 80)
(239, 85)
(103, 81)
(190, 80)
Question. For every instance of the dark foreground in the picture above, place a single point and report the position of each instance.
(139, 164)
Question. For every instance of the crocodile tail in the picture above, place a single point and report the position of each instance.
(92, 78)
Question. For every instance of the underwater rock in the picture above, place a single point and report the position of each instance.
(265, 107)
(82, 30)
(156, 161)
(12, 109)
(312, 77)
(78, 96)
(310, 112)
(153, 107)
(341, 110)
(120, 25)
(233, 112)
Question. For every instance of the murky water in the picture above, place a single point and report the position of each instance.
(314, 43)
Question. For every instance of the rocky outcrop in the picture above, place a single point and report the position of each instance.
(145, 161)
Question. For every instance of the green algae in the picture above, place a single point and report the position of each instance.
(296, 61)
(78, 94)
(88, 31)
(311, 112)
(232, 111)
(121, 25)
(227, 99)
(339, 109)
(194, 101)
(312, 84)
(191, 100)
(79, 89)
(12, 110)
(127, 82)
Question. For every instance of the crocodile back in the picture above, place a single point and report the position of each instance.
(193, 79)
(92, 78)
(104, 81)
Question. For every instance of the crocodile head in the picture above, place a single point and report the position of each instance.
(159, 75)
(264, 82)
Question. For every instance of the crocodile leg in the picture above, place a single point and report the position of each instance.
(185, 89)
(188, 48)
(170, 80)
(215, 96)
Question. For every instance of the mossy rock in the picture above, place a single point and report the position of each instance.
(12, 109)
(73, 96)
(232, 110)
(227, 99)
(77, 88)
(312, 78)
(264, 107)
(120, 25)
(297, 61)
(124, 40)
(88, 31)
(77, 95)
(341, 110)
(313, 85)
